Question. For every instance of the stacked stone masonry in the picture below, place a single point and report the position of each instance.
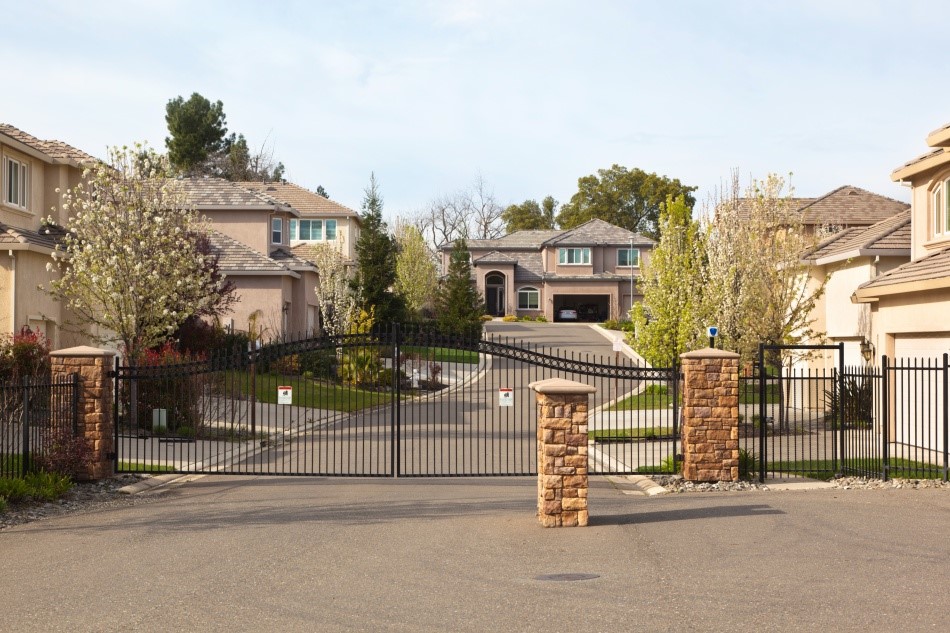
(710, 416)
(562, 455)
(95, 423)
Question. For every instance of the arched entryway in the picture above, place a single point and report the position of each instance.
(495, 294)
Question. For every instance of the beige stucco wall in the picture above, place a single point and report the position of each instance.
(13, 215)
(922, 240)
(262, 294)
(910, 313)
(248, 227)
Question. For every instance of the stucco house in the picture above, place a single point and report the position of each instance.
(910, 304)
(844, 261)
(528, 273)
(276, 289)
(32, 171)
(320, 219)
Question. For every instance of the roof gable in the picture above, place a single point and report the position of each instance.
(851, 206)
(598, 232)
(56, 150)
(890, 237)
(303, 200)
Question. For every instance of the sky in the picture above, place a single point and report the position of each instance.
(527, 95)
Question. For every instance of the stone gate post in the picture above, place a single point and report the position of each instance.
(710, 415)
(95, 422)
(562, 451)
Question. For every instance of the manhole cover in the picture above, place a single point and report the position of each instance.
(566, 577)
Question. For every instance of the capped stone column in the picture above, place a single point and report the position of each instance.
(94, 418)
(562, 452)
(710, 415)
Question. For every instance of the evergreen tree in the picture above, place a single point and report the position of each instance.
(376, 261)
(458, 305)
(198, 131)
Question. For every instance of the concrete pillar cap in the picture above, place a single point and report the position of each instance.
(560, 386)
(708, 352)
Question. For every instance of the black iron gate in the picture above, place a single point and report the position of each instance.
(391, 403)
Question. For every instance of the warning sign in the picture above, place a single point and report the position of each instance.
(506, 397)
(285, 395)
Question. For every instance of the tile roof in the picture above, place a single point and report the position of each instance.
(513, 241)
(305, 251)
(217, 192)
(845, 206)
(933, 267)
(496, 257)
(529, 267)
(235, 257)
(48, 236)
(292, 260)
(851, 206)
(303, 200)
(598, 232)
(52, 148)
(884, 237)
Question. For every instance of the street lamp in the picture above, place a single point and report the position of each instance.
(867, 350)
(630, 263)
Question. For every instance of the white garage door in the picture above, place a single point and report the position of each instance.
(928, 346)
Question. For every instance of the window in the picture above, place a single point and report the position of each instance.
(941, 209)
(628, 257)
(276, 231)
(16, 183)
(529, 299)
(312, 230)
(573, 256)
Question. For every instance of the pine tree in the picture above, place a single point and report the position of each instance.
(376, 261)
(459, 306)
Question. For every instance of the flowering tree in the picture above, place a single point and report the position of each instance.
(416, 277)
(130, 264)
(338, 305)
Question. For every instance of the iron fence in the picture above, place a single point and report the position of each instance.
(38, 424)
(401, 402)
(874, 421)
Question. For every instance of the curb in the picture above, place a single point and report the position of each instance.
(152, 483)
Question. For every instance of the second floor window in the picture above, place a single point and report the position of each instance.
(276, 231)
(16, 183)
(312, 230)
(573, 256)
(941, 209)
(628, 257)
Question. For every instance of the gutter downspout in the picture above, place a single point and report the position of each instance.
(12, 291)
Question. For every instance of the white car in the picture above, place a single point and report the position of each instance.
(567, 314)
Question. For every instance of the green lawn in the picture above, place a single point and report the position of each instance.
(442, 354)
(749, 393)
(620, 435)
(653, 397)
(825, 469)
(307, 392)
(135, 467)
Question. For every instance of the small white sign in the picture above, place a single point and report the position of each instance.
(506, 397)
(285, 395)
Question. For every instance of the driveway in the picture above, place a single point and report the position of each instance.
(265, 554)
(578, 338)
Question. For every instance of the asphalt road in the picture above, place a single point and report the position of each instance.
(269, 554)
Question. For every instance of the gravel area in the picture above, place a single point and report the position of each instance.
(676, 483)
(83, 497)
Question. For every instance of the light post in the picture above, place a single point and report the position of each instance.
(630, 262)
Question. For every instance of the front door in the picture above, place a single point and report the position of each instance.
(495, 294)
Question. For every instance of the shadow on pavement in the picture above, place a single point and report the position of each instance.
(687, 514)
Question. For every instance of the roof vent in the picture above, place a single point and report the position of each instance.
(271, 189)
(852, 192)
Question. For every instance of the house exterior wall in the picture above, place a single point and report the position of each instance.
(263, 296)
(248, 227)
(910, 313)
(36, 204)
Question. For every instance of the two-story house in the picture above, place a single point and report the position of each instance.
(251, 236)
(34, 171)
(910, 305)
(320, 220)
(593, 267)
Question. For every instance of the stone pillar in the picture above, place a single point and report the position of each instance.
(562, 452)
(710, 415)
(95, 403)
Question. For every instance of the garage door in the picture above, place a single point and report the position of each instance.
(924, 346)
